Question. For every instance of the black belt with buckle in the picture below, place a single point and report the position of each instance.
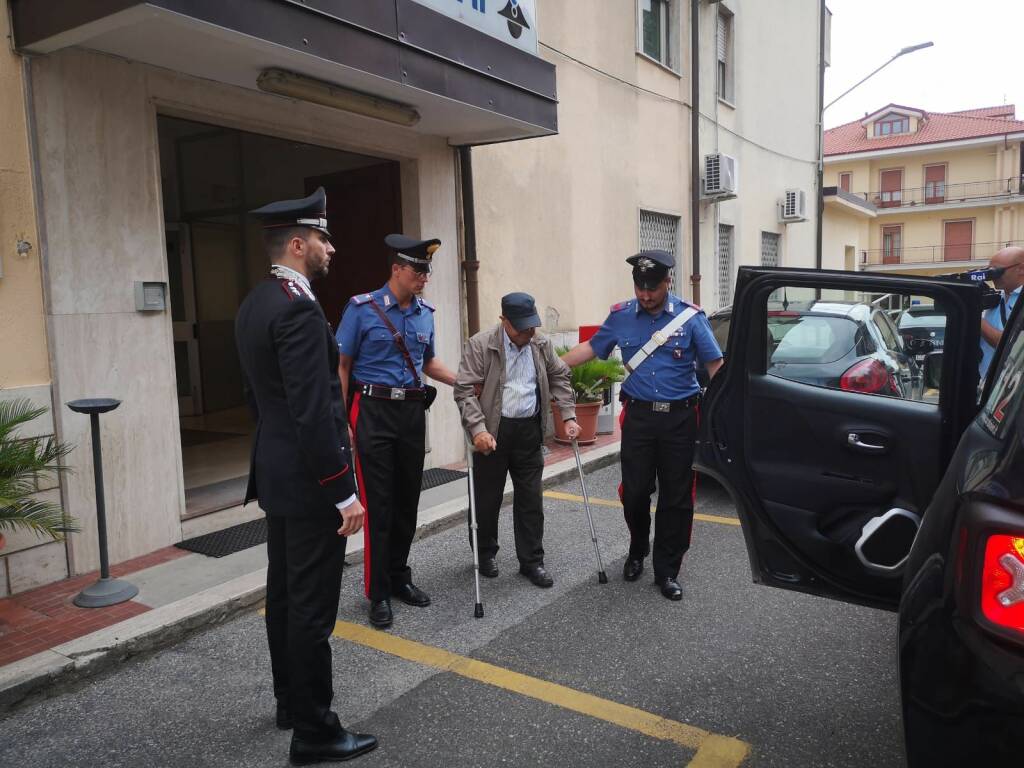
(663, 406)
(377, 392)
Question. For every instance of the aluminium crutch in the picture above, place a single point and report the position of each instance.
(478, 611)
(602, 578)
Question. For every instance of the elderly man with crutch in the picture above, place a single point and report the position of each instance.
(508, 375)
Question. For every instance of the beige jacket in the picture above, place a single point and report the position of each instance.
(483, 363)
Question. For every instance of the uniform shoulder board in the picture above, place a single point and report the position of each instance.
(362, 298)
(427, 304)
(291, 290)
(620, 306)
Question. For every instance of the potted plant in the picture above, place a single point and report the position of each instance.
(22, 462)
(589, 381)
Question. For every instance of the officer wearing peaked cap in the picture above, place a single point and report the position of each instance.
(661, 337)
(386, 341)
(301, 472)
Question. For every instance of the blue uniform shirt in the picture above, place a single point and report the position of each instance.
(364, 337)
(669, 373)
(995, 319)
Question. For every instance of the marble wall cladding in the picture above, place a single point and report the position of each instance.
(35, 567)
(124, 356)
(96, 119)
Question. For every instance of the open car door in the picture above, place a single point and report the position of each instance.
(827, 430)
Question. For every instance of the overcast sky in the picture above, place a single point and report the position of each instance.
(977, 60)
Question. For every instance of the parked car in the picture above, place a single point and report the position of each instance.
(914, 507)
(922, 322)
(842, 344)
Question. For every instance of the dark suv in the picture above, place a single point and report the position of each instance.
(908, 505)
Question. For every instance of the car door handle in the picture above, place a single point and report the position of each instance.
(853, 439)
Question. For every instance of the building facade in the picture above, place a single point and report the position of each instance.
(558, 216)
(138, 135)
(923, 193)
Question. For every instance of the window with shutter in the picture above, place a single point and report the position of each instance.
(723, 46)
(659, 231)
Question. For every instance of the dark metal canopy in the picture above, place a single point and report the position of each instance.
(465, 85)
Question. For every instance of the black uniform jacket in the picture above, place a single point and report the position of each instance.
(301, 458)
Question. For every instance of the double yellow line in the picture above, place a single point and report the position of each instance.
(721, 520)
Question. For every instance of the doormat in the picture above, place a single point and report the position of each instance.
(437, 476)
(230, 540)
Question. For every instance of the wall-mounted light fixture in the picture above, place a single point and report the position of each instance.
(297, 86)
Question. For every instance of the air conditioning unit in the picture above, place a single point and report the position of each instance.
(793, 207)
(721, 176)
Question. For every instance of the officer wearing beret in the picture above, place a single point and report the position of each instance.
(301, 472)
(661, 338)
(386, 341)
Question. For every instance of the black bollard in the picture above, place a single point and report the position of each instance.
(105, 591)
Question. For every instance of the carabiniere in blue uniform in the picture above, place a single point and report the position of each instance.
(388, 346)
(660, 400)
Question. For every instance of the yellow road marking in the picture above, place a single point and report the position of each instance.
(712, 750)
(612, 503)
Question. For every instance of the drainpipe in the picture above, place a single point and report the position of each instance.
(821, 134)
(695, 148)
(470, 265)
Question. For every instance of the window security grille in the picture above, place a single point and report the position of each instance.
(770, 249)
(659, 231)
(724, 265)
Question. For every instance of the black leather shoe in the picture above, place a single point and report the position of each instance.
(380, 613)
(284, 718)
(670, 588)
(337, 749)
(488, 567)
(537, 575)
(632, 569)
(410, 594)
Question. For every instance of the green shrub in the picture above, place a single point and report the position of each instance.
(593, 377)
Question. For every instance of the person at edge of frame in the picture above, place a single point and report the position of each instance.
(300, 473)
(507, 376)
(386, 344)
(661, 399)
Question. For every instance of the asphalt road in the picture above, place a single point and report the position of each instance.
(789, 679)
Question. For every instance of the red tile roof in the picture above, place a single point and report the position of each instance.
(938, 127)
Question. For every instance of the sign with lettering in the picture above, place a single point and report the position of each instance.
(511, 21)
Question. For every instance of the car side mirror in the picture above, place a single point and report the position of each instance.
(932, 369)
(919, 346)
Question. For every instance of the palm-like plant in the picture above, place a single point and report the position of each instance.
(22, 462)
(590, 379)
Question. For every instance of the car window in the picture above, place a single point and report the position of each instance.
(844, 340)
(912, 318)
(1003, 405)
(720, 328)
(885, 328)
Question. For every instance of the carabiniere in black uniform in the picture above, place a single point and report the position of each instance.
(301, 474)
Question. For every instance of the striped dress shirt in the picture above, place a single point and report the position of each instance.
(519, 397)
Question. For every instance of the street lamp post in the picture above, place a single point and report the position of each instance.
(821, 128)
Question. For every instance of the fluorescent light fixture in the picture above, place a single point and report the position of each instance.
(309, 89)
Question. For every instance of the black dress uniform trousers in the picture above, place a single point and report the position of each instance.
(305, 561)
(658, 443)
(518, 454)
(389, 437)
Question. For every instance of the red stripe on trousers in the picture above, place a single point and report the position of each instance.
(353, 420)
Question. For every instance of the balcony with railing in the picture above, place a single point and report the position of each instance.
(941, 193)
(924, 255)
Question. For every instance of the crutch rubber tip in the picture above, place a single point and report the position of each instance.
(602, 578)
(478, 612)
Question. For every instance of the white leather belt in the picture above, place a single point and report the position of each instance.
(659, 338)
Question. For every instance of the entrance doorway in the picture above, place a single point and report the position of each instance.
(211, 177)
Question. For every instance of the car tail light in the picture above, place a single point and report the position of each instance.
(868, 376)
(1002, 582)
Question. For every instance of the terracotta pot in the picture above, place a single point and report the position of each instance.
(586, 417)
(3, 541)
